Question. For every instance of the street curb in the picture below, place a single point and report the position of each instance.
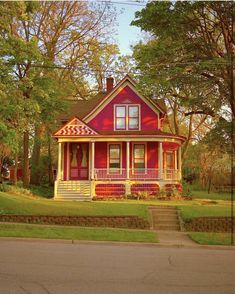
(117, 243)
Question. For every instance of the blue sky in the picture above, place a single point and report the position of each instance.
(127, 35)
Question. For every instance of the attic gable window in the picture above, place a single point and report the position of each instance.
(127, 117)
(120, 119)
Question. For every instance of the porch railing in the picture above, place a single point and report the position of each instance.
(135, 174)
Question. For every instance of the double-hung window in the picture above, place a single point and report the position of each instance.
(120, 118)
(139, 157)
(114, 157)
(133, 117)
(127, 117)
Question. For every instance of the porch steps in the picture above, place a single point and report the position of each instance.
(74, 190)
(164, 218)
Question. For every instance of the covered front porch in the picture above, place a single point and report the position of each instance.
(94, 166)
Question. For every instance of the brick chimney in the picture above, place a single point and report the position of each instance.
(109, 84)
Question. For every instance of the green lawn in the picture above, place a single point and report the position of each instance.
(212, 238)
(95, 234)
(200, 210)
(19, 204)
(212, 195)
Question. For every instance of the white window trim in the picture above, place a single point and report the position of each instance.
(171, 152)
(109, 170)
(145, 155)
(127, 116)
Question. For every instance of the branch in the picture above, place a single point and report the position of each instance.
(207, 112)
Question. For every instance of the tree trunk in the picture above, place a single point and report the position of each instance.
(50, 168)
(26, 159)
(1, 179)
(35, 168)
(15, 170)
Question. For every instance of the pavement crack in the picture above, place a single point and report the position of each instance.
(44, 288)
(170, 260)
(25, 291)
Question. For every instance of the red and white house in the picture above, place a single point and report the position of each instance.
(114, 146)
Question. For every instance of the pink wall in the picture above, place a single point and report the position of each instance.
(104, 120)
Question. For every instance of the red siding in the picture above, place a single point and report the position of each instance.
(101, 155)
(152, 161)
(104, 120)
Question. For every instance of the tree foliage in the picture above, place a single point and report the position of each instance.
(187, 60)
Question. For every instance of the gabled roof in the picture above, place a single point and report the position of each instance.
(75, 127)
(111, 95)
(80, 108)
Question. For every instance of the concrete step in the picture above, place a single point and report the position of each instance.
(166, 222)
(162, 207)
(166, 227)
(164, 210)
(165, 216)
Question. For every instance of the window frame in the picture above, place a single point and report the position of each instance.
(141, 170)
(111, 170)
(118, 117)
(136, 117)
(127, 117)
(172, 154)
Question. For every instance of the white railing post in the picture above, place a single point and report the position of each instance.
(160, 160)
(59, 162)
(128, 160)
(179, 163)
(92, 160)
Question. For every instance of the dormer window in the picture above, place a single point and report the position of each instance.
(127, 117)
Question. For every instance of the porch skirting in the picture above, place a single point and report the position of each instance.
(87, 190)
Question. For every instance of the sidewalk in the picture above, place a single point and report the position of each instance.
(174, 238)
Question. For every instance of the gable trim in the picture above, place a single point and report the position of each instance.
(114, 93)
(78, 123)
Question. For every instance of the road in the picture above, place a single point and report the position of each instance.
(43, 267)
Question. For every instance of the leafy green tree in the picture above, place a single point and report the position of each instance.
(189, 55)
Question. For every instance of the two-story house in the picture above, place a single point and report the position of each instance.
(114, 145)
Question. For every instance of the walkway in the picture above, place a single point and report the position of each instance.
(165, 221)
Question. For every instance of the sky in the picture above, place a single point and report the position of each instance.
(127, 35)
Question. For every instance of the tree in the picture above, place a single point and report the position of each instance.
(190, 45)
(45, 46)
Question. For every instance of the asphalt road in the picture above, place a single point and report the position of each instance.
(40, 267)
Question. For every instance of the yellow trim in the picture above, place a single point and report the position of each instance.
(120, 139)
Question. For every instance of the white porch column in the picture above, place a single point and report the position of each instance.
(92, 160)
(128, 160)
(179, 163)
(62, 161)
(59, 162)
(175, 160)
(160, 162)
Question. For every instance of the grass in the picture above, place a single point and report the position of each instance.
(211, 195)
(11, 203)
(95, 234)
(32, 205)
(199, 210)
(211, 238)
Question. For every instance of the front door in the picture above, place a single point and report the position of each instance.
(79, 161)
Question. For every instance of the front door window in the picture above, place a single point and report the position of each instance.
(79, 161)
